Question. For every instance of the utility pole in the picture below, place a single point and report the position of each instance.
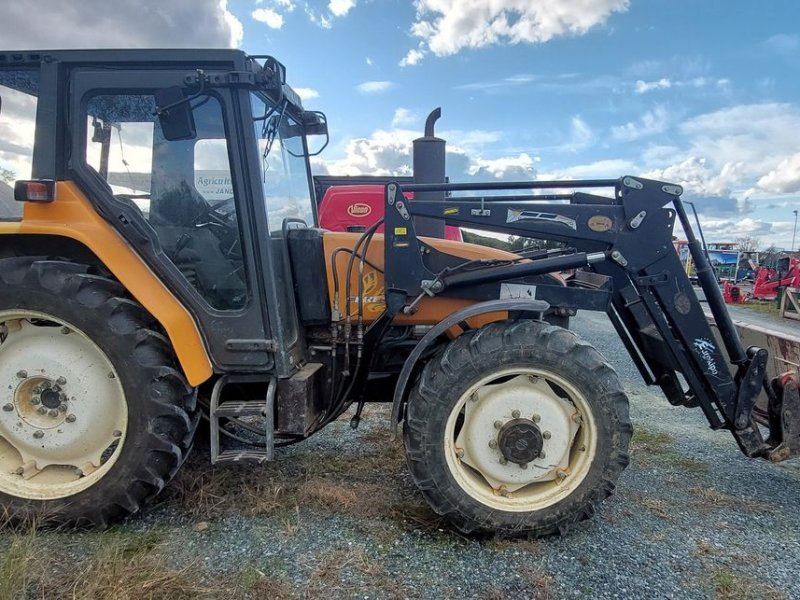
(794, 233)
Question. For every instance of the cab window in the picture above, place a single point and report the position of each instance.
(182, 188)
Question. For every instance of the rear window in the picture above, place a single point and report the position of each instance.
(18, 92)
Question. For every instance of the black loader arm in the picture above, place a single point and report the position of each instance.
(624, 236)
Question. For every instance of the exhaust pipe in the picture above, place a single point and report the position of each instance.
(429, 167)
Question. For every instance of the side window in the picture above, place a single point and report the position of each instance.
(182, 188)
(18, 91)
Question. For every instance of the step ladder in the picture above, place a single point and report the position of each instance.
(242, 408)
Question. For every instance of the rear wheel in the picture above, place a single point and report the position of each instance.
(517, 428)
(94, 416)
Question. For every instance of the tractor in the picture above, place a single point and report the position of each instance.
(168, 265)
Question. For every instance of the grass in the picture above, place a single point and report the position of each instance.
(15, 579)
(765, 308)
(706, 498)
(650, 441)
(653, 445)
(730, 586)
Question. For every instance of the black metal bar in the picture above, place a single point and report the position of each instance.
(705, 275)
(511, 185)
(536, 267)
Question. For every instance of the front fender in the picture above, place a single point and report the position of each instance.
(430, 338)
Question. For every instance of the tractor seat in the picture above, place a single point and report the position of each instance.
(358, 207)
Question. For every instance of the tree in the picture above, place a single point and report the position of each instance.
(747, 243)
(7, 175)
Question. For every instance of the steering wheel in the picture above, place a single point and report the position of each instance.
(213, 216)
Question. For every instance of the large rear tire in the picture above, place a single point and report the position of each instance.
(518, 428)
(95, 417)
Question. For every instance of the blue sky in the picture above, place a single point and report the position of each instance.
(702, 93)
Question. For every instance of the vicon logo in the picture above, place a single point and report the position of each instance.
(359, 209)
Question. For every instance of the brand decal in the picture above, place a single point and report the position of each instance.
(359, 209)
(451, 211)
(705, 348)
(518, 214)
(600, 223)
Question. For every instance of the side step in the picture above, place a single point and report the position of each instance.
(242, 408)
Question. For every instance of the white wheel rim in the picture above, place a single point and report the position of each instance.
(63, 413)
(560, 412)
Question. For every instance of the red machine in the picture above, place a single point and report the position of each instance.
(357, 207)
(732, 293)
(768, 280)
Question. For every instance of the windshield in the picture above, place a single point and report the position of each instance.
(283, 164)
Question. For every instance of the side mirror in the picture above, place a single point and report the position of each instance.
(175, 114)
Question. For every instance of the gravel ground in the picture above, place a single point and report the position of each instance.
(338, 516)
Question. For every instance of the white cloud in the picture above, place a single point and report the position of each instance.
(784, 178)
(403, 117)
(651, 123)
(340, 8)
(269, 17)
(412, 58)
(783, 43)
(642, 87)
(306, 93)
(374, 87)
(388, 152)
(580, 136)
(446, 27)
(141, 24)
(520, 167)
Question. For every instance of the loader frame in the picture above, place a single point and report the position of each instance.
(626, 238)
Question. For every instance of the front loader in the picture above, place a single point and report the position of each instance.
(169, 266)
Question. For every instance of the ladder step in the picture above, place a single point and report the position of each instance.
(241, 408)
(243, 456)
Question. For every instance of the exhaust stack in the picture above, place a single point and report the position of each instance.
(429, 167)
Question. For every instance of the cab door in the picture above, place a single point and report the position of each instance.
(185, 205)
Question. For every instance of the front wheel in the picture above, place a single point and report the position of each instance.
(517, 428)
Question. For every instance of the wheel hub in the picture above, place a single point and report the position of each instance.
(520, 441)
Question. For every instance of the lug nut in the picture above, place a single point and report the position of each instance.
(515, 414)
(561, 475)
(62, 407)
(503, 460)
(498, 424)
(36, 401)
(546, 435)
(8, 407)
(542, 454)
(459, 452)
(70, 418)
(492, 443)
(41, 410)
(46, 385)
(536, 418)
(533, 378)
(38, 434)
(61, 381)
(503, 491)
(22, 374)
(523, 466)
(53, 412)
(576, 418)
(65, 330)
(56, 388)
